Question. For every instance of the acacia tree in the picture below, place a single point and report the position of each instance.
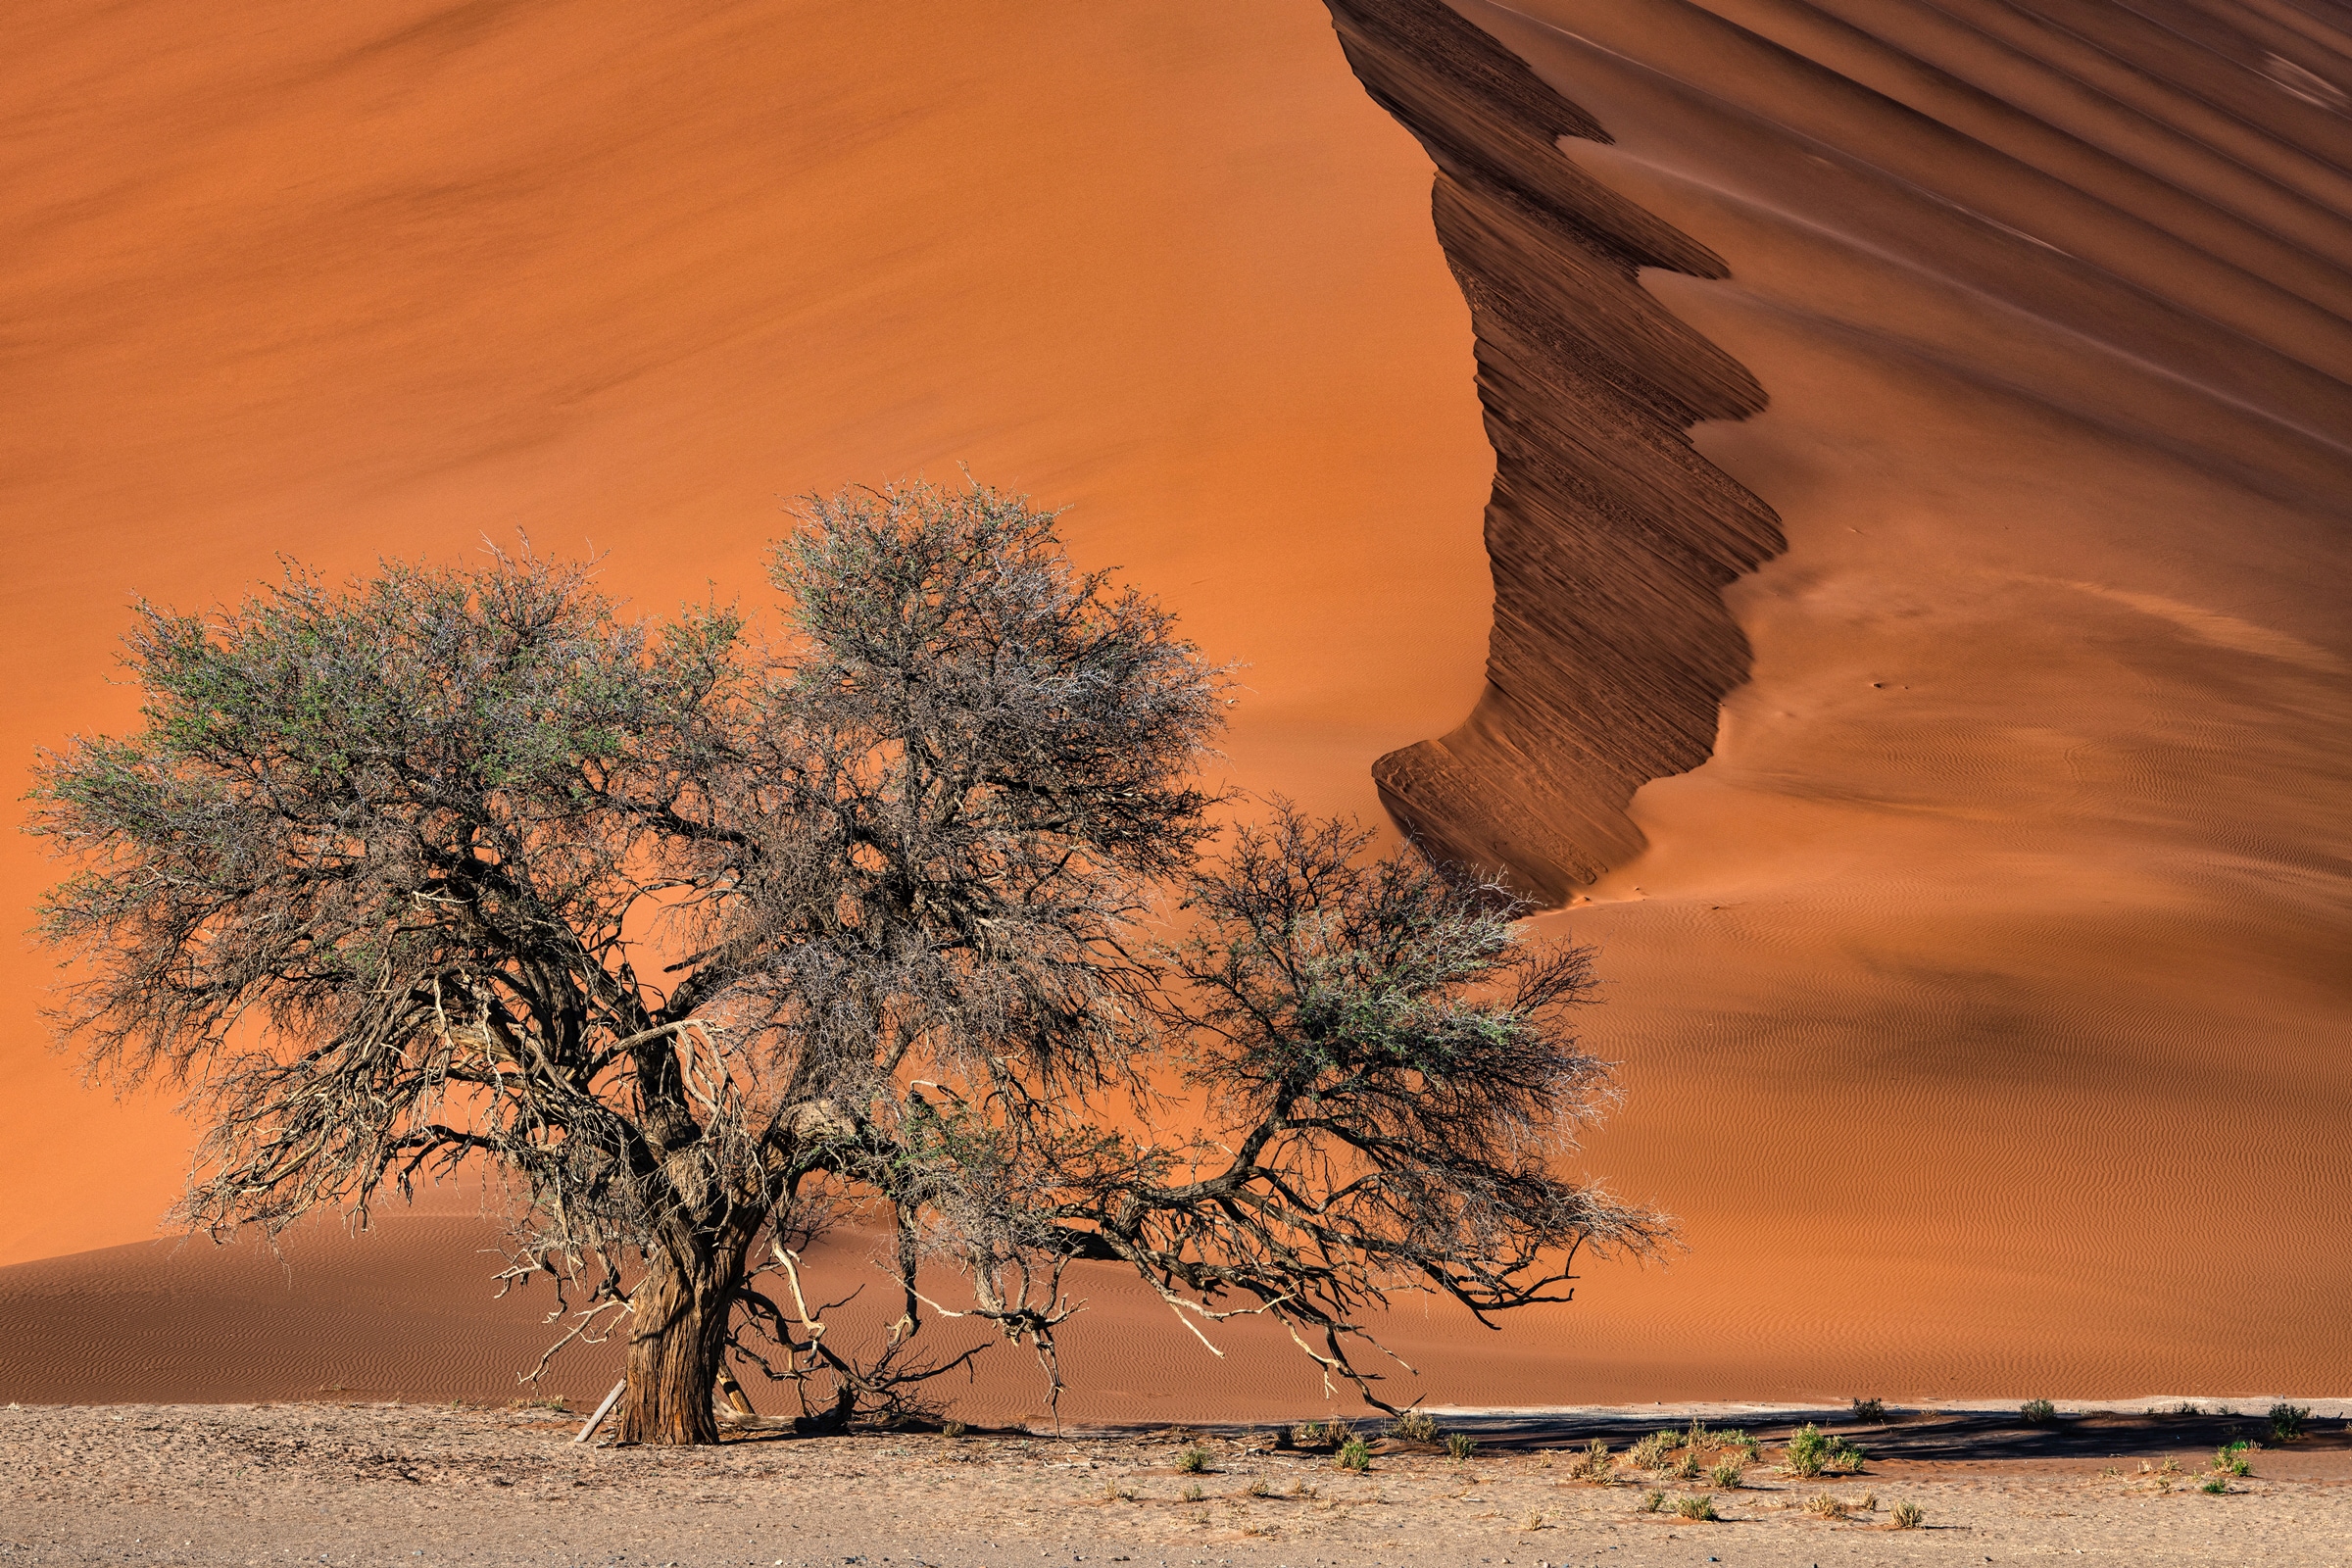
(699, 941)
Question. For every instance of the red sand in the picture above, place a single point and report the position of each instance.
(1983, 999)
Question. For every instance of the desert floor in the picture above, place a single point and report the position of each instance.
(411, 1484)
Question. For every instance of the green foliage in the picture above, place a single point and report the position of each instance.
(1702, 1506)
(2286, 1422)
(1192, 1458)
(1651, 1501)
(2037, 1412)
(1871, 1410)
(1808, 1452)
(1907, 1515)
(1729, 1474)
(1460, 1444)
(2214, 1486)
(1596, 1464)
(1353, 1454)
(1192, 1492)
(2231, 1459)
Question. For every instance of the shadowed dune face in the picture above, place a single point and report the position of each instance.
(338, 282)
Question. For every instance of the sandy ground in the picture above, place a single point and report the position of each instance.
(404, 1484)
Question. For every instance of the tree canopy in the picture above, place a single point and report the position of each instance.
(700, 939)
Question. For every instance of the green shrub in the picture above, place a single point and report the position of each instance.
(1907, 1515)
(2286, 1422)
(2037, 1412)
(1734, 1437)
(1192, 1459)
(2230, 1459)
(2214, 1485)
(1702, 1506)
(1192, 1492)
(1460, 1444)
(1596, 1464)
(1686, 1467)
(1652, 1501)
(1872, 1409)
(1824, 1506)
(1415, 1426)
(1310, 1434)
(1355, 1455)
(1808, 1452)
(953, 1429)
(1259, 1488)
(1844, 1456)
(1729, 1474)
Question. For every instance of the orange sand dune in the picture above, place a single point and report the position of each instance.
(339, 282)
(1980, 978)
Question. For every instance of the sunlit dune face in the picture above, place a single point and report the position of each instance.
(340, 286)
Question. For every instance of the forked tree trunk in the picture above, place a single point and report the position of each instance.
(677, 1339)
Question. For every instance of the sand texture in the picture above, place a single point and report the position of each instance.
(1917, 451)
(411, 1485)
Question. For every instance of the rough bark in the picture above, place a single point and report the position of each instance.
(677, 1343)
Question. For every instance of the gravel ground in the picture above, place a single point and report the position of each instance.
(411, 1485)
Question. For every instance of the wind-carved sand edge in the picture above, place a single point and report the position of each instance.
(1610, 538)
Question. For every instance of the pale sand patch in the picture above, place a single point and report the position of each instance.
(407, 1483)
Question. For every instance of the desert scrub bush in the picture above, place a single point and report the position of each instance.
(1310, 1434)
(1822, 1505)
(1729, 1474)
(1113, 1492)
(1870, 1409)
(1534, 1520)
(1686, 1467)
(1907, 1515)
(2214, 1486)
(953, 1429)
(1192, 1492)
(1259, 1488)
(1415, 1426)
(1460, 1444)
(1846, 1457)
(1702, 1506)
(2229, 1459)
(1651, 1501)
(1596, 1464)
(2185, 1407)
(1353, 1454)
(1734, 1437)
(2037, 1412)
(1808, 1452)
(1192, 1459)
(1650, 1453)
(2286, 1422)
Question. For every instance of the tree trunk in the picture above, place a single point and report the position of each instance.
(677, 1340)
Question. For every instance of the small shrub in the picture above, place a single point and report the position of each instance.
(1872, 1409)
(1702, 1506)
(2037, 1412)
(1259, 1488)
(1192, 1492)
(1460, 1444)
(1734, 1437)
(1808, 1452)
(2187, 1409)
(1729, 1474)
(953, 1429)
(1824, 1506)
(1686, 1467)
(2214, 1486)
(1303, 1490)
(1355, 1455)
(1193, 1459)
(1113, 1492)
(2229, 1459)
(2286, 1422)
(1534, 1520)
(1596, 1464)
(2170, 1467)
(1907, 1515)
(1698, 1439)
(1310, 1434)
(1869, 1502)
(1415, 1426)
(1650, 1453)
(1652, 1501)
(1846, 1456)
